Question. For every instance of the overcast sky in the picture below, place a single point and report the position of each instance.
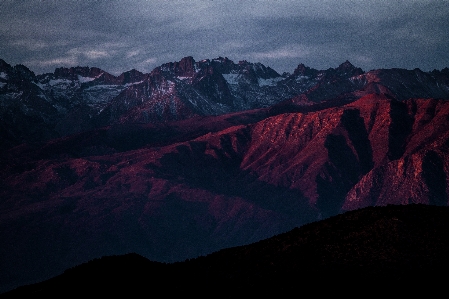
(119, 35)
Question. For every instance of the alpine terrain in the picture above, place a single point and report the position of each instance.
(197, 156)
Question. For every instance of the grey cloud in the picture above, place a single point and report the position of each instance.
(120, 35)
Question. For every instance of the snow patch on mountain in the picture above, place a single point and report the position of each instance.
(3, 75)
(40, 85)
(59, 82)
(2, 84)
(302, 78)
(42, 96)
(134, 83)
(269, 82)
(231, 78)
(104, 87)
(85, 79)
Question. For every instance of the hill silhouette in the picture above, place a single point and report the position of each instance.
(381, 248)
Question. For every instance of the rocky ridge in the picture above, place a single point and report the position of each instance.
(71, 100)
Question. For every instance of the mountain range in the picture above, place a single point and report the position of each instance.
(71, 100)
(197, 156)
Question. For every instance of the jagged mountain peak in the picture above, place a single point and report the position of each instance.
(90, 76)
(188, 67)
(222, 64)
(219, 59)
(4, 66)
(19, 74)
(131, 76)
(442, 71)
(346, 65)
(302, 70)
(73, 72)
(24, 72)
(348, 68)
(183, 68)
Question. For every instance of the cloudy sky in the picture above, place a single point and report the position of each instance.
(119, 35)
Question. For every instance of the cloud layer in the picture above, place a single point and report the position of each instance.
(118, 35)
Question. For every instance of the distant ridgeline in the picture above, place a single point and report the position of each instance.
(70, 100)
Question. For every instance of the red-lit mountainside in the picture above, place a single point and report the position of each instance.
(81, 197)
(381, 249)
(184, 186)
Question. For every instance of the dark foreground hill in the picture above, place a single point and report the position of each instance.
(379, 248)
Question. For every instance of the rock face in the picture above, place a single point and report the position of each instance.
(417, 165)
(374, 151)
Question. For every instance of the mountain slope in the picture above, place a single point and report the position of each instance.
(248, 178)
